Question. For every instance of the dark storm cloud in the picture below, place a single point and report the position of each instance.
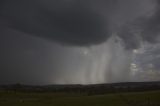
(130, 39)
(142, 28)
(27, 59)
(152, 26)
(84, 22)
(67, 22)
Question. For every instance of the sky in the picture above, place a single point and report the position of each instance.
(79, 41)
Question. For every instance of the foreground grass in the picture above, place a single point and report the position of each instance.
(11, 98)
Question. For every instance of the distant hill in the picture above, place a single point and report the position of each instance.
(88, 89)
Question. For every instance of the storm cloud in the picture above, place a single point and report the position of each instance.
(85, 22)
(68, 22)
(78, 41)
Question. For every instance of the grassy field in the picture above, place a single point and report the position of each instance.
(11, 98)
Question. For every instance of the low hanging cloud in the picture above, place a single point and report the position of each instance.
(144, 28)
(152, 27)
(67, 22)
(85, 22)
(114, 27)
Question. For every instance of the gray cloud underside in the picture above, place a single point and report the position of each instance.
(142, 29)
(72, 24)
(78, 23)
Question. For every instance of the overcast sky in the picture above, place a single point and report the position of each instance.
(79, 41)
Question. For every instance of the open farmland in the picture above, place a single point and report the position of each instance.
(11, 98)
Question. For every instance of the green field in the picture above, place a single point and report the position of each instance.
(12, 98)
